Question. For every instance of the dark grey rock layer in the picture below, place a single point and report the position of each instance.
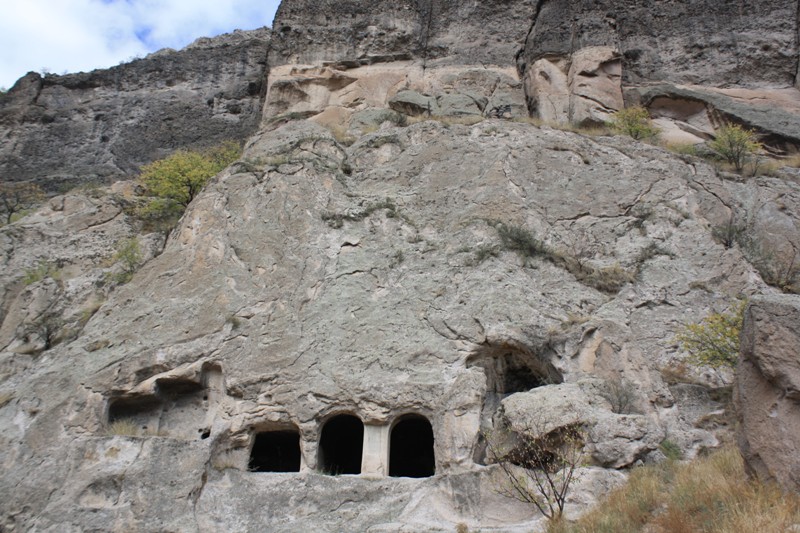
(105, 124)
(700, 42)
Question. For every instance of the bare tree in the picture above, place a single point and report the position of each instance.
(539, 465)
(16, 197)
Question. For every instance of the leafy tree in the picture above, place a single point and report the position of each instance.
(714, 341)
(735, 144)
(634, 122)
(181, 176)
(17, 197)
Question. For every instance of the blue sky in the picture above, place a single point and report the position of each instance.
(80, 35)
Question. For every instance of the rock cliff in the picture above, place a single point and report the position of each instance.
(61, 131)
(394, 271)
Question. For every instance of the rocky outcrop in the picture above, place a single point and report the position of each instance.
(405, 270)
(313, 280)
(354, 33)
(768, 390)
(60, 131)
(718, 44)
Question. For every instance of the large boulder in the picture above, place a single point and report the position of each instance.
(768, 390)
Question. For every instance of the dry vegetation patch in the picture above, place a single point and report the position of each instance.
(709, 494)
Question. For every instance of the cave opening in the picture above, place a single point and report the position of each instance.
(341, 445)
(411, 448)
(276, 451)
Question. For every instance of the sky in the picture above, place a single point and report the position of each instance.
(61, 36)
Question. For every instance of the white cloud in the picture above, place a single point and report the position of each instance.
(80, 35)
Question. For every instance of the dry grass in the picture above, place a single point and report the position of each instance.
(123, 427)
(710, 494)
(448, 120)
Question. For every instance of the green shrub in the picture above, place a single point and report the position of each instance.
(714, 341)
(181, 176)
(521, 241)
(159, 214)
(43, 269)
(670, 450)
(634, 122)
(129, 257)
(735, 144)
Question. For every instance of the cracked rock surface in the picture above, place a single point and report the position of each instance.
(312, 279)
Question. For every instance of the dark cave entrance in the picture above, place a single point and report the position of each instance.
(341, 445)
(411, 448)
(509, 369)
(276, 451)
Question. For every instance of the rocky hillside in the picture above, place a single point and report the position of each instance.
(401, 267)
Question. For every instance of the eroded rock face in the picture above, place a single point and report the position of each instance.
(314, 280)
(442, 31)
(702, 43)
(768, 390)
(103, 125)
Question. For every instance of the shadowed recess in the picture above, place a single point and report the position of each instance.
(411, 448)
(276, 451)
(341, 445)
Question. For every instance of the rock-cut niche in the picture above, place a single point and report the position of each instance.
(341, 445)
(411, 448)
(275, 451)
(176, 406)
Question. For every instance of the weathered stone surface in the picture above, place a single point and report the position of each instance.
(768, 389)
(356, 33)
(313, 279)
(704, 43)
(613, 439)
(698, 111)
(585, 87)
(332, 96)
(63, 130)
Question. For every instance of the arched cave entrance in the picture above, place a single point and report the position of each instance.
(276, 451)
(341, 445)
(411, 448)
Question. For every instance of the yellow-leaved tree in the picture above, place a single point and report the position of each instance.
(714, 341)
(173, 182)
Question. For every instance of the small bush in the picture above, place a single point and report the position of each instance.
(729, 233)
(43, 269)
(521, 241)
(541, 466)
(735, 145)
(714, 341)
(634, 122)
(621, 395)
(129, 257)
(670, 450)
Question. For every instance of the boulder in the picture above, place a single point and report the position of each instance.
(767, 390)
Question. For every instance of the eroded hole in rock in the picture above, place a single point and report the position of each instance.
(341, 445)
(508, 370)
(411, 448)
(276, 451)
(142, 412)
(173, 406)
